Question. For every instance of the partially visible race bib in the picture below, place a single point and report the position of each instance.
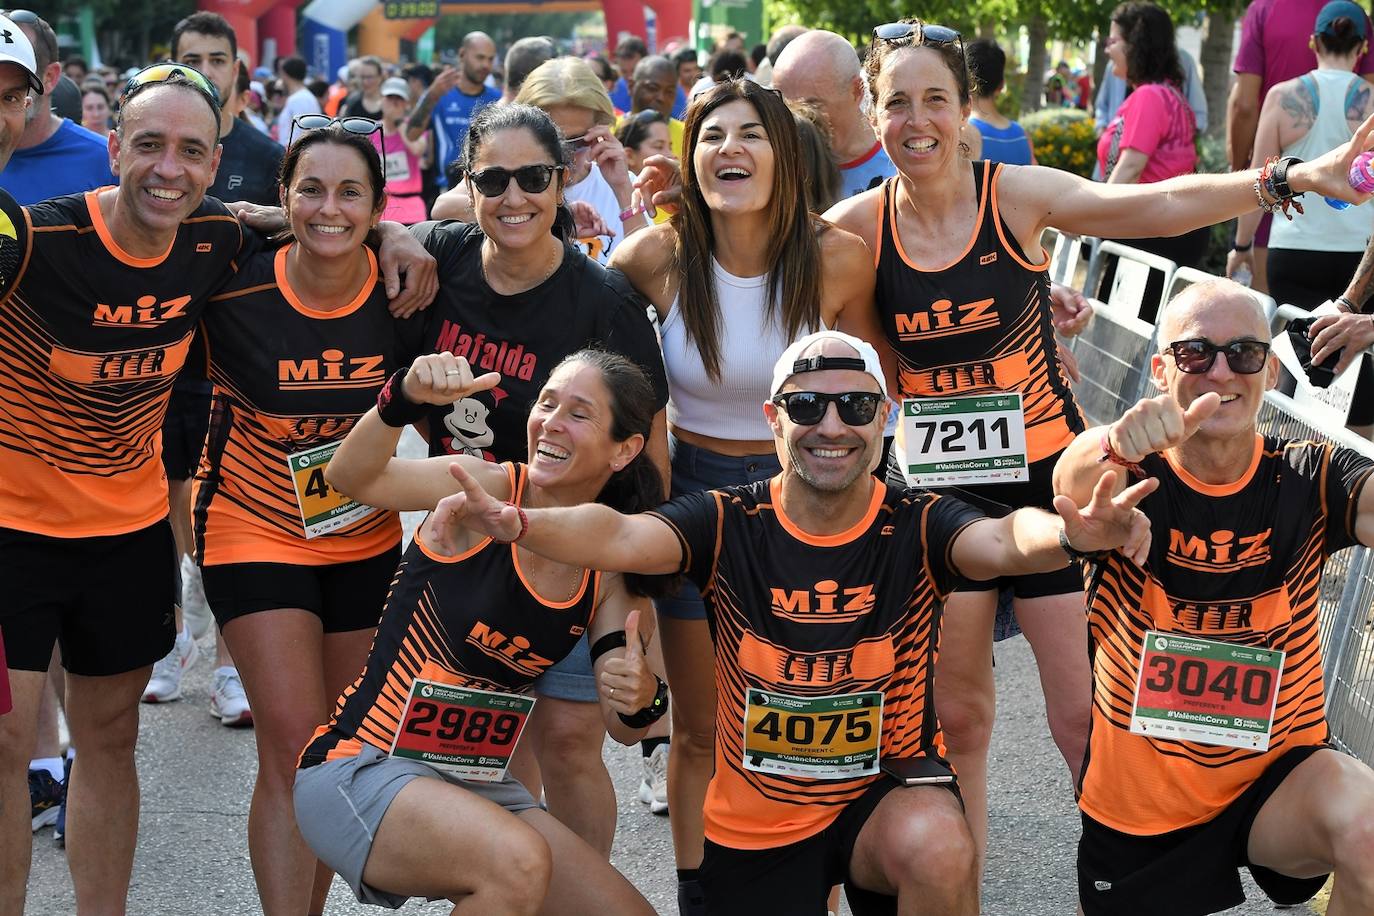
(323, 508)
(1203, 690)
(469, 733)
(834, 737)
(397, 166)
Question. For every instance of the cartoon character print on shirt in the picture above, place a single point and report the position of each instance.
(467, 427)
(593, 247)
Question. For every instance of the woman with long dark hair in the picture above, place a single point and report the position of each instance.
(739, 272)
(405, 790)
(518, 296)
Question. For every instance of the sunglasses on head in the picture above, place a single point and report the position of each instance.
(45, 32)
(807, 408)
(532, 179)
(919, 33)
(170, 73)
(354, 124)
(1245, 357)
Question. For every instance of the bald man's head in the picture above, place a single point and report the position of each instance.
(477, 55)
(1222, 305)
(822, 68)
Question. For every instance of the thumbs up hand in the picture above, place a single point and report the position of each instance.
(627, 683)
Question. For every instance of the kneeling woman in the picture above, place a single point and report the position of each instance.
(404, 792)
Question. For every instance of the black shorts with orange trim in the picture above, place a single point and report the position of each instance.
(345, 596)
(106, 602)
(1188, 872)
(796, 879)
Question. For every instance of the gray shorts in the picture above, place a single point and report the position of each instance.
(340, 804)
(571, 678)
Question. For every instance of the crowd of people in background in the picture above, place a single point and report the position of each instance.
(596, 281)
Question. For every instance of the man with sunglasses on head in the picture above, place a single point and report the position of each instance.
(1209, 749)
(55, 156)
(823, 589)
(99, 322)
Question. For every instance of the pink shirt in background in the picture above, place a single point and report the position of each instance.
(403, 182)
(1155, 120)
(1273, 41)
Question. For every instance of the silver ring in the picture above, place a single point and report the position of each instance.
(454, 372)
(613, 693)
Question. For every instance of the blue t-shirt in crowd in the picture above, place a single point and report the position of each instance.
(72, 160)
(620, 98)
(452, 115)
(868, 171)
(1004, 144)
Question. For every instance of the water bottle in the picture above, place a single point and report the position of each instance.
(1243, 276)
(1361, 179)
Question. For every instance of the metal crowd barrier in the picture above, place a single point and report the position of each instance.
(1113, 356)
(1132, 273)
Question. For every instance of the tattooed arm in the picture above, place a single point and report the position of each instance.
(420, 117)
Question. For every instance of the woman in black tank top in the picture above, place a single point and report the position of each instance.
(491, 617)
(962, 297)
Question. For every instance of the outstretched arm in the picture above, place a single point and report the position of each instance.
(366, 467)
(590, 535)
(1028, 540)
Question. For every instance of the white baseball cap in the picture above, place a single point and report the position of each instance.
(15, 48)
(792, 362)
(397, 87)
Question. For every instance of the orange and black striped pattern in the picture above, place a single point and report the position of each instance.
(473, 620)
(1239, 563)
(803, 615)
(978, 324)
(287, 378)
(91, 338)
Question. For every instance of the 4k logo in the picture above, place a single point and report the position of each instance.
(147, 312)
(1220, 551)
(333, 369)
(943, 319)
(825, 602)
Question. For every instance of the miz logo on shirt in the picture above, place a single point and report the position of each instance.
(825, 602)
(1220, 551)
(512, 651)
(332, 369)
(146, 312)
(944, 319)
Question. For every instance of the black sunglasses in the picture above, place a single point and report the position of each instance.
(807, 408)
(1245, 357)
(533, 179)
(919, 33)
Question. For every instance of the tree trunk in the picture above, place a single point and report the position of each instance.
(1216, 68)
(1033, 89)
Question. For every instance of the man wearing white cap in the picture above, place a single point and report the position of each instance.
(18, 74)
(823, 589)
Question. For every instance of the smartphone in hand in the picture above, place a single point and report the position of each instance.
(917, 771)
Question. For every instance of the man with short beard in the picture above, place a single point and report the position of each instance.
(453, 100)
(823, 591)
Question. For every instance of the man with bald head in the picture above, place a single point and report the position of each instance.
(823, 589)
(653, 87)
(822, 68)
(1209, 747)
(453, 100)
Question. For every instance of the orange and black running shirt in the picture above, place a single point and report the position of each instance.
(289, 379)
(808, 616)
(473, 620)
(978, 324)
(91, 338)
(1239, 563)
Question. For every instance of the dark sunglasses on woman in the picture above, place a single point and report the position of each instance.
(919, 33)
(532, 179)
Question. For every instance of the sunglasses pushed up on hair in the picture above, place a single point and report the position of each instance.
(1196, 356)
(919, 33)
(169, 72)
(807, 408)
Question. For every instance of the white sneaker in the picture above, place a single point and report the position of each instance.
(228, 702)
(653, 788)
(165, 684)
(195, 610)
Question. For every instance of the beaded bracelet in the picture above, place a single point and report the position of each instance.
(1111, 454)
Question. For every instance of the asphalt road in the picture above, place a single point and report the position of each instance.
(197, 777)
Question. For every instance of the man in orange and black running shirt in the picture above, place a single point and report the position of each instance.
(823, 589)
(99, 321)
(1209, 747)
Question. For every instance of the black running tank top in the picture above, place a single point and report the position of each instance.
(980, 323)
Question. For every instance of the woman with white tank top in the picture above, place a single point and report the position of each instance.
(740, 271)
(1313, 255)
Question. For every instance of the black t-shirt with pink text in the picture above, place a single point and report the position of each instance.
(523, 337)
